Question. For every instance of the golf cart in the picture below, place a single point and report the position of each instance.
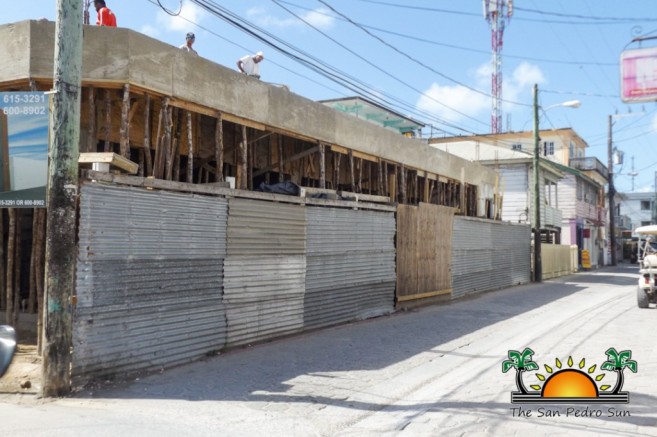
(647, 258)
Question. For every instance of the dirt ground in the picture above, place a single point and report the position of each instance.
(24, 373)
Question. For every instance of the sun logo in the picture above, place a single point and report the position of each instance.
(571, 384)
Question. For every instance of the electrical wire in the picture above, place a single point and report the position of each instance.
(173, 14)
(382, 70)
(406, 55)
(453, 46)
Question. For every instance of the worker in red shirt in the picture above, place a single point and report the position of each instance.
(105, 16)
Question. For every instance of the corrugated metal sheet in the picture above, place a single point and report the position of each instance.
(351, 265)
(149, 280)
(488, 255)
(266, 228)
(265, 270)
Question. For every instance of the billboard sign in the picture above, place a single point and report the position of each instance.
(639, 75)
(24, 118)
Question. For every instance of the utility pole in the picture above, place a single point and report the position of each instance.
(62, 195)
(612, 193)
(538, 264)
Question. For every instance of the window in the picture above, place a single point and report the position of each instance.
(516, 147)
(548, 148)
(571, 150)
(645, 205)
(645, 223)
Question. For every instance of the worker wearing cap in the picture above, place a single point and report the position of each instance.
(249, 64)
(189, 42)
(105, 16)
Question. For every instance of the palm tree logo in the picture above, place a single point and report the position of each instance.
(569, 382)
(617, 362)
(522, 362)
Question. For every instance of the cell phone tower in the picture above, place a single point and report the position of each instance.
(498, 13)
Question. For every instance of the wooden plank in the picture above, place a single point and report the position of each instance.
(125, 125)
(365, 197)
(355, 153)
(219, 148)
(424, 295)
(322, 166)
(190, 147)
(242, 173)
(109, 158)
(91, 133)
(147, 137)
(244, 122)
(108, 120)
(210, 189)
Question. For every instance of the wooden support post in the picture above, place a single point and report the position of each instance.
(392, 186)
(425, 196)
(380, 179)
(402, 188)
(336, 171)
(108, 120)
(62, 193)
(281, 160)
(147, 137)
(219, 148)
(251, 163)
(352, 176)
(190, 148)
(242, 162)
(159, 140)
(385, 182)
(322, 166)
(462, 204)
(91, 134)
(359, 185)
(173, 141)
(125, 123)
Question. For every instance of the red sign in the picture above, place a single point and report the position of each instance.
(586, 233)
(639, 75)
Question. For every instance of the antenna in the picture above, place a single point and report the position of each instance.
(633, 174)
(497, 13)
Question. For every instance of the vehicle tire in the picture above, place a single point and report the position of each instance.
(642, 298)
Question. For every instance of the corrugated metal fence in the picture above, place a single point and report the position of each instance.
(265, 270)
(488, 255)
(351, 265)
(149, 279)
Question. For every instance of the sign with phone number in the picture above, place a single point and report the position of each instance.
(24, 118)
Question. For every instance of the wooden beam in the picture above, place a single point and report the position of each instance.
(110, 158)
(380, 179)
(108, 120)
(281, 160)
(242, 173)
(91, 133)
(322, 166)
(190, 148)
(352, 176)
(356, 153)
(219, 148)
(424, 295)
(125, 125)
(147, 137)
(210, 189)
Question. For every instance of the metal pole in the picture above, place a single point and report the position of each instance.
(62, 195)
(611, 193)
(538, 264)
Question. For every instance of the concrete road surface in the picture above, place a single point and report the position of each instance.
(432, 372)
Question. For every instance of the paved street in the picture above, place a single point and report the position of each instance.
(434, 371)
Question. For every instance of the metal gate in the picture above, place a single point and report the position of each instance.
(149, 280)
(489, 255)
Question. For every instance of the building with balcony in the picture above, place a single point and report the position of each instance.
(639, 208)
(572, 184)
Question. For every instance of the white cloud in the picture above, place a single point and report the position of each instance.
(149, 30)
(473, 103)
(189, 11)
(319, 18)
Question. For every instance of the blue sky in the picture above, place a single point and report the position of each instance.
(570, 48)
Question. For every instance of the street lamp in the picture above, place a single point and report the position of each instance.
(538, 264)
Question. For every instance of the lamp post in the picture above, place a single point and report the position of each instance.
(538, 264)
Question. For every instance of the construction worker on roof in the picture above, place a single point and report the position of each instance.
(105, 16)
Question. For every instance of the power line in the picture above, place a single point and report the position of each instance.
(382, 70)
(406, 55)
